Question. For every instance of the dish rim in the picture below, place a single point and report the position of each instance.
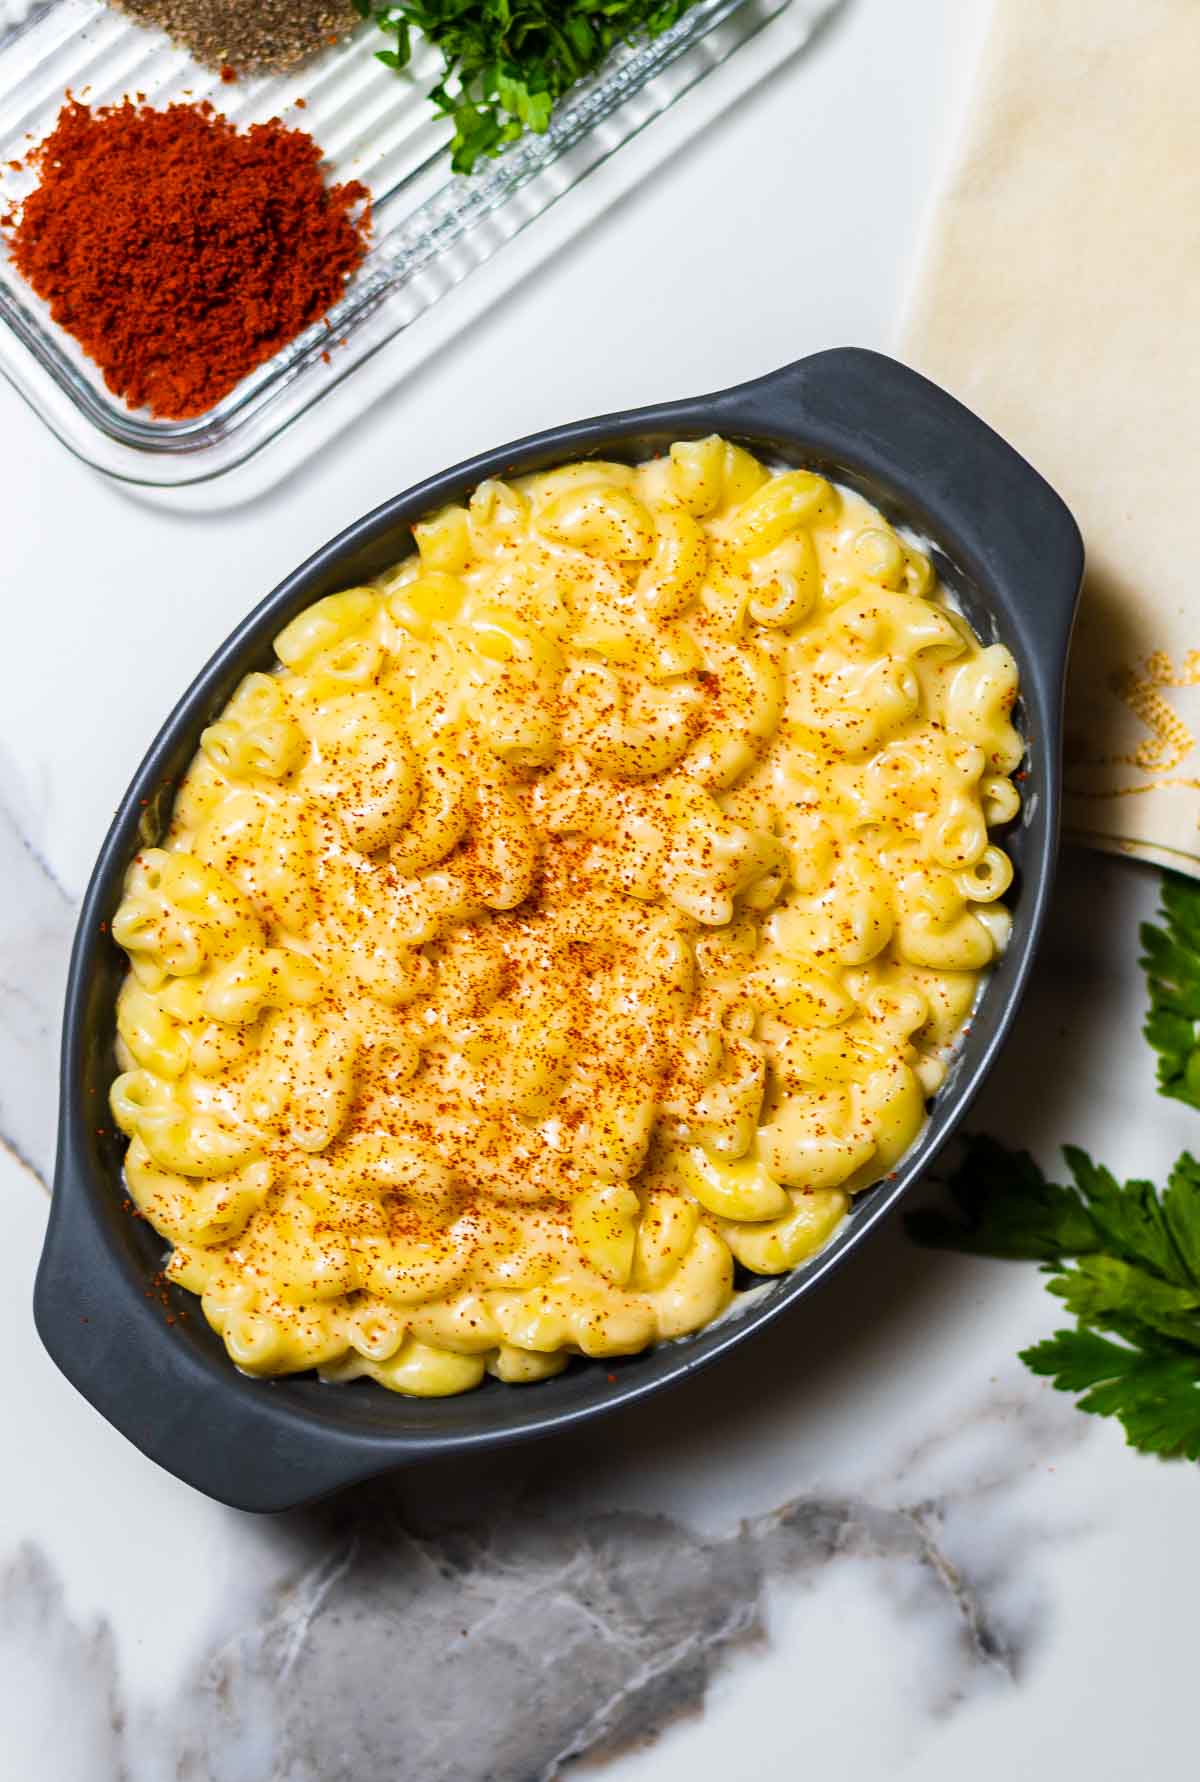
(1004, 542)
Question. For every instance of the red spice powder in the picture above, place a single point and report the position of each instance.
(179, 251)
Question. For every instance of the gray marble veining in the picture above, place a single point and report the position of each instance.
(35, 943)
(509, 1642)
(61, 1675)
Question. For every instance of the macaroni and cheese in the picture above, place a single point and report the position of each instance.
(585, 908)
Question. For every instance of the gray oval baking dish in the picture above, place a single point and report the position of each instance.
(1010, 550)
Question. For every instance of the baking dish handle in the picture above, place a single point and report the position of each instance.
(224, 1434)
(888, 430)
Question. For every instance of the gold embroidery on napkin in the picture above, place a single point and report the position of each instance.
(1167, 746)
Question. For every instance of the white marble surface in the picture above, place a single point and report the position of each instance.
(870, 1544)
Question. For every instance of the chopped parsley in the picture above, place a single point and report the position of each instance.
(506, 63)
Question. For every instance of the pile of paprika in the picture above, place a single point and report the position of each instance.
(180, 251)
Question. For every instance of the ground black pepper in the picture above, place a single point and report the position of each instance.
(262, 37)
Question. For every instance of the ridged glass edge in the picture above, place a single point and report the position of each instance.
(281, 393)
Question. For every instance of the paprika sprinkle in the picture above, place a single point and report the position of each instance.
(179, 251)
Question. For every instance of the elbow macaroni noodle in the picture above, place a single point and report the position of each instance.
(583, 908)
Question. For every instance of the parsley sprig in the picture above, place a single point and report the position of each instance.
(1124, 1259)
(1171, 961)
(508, 62)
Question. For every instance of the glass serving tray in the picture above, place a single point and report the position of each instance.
(432, 229)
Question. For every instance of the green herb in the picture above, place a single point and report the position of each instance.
(1125, 1261)
(508, 62)
(1171, 961)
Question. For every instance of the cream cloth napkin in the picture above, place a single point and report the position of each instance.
(1060, 299)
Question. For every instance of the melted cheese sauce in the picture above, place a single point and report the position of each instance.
(587, 905)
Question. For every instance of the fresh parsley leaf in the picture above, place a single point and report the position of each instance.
(1155, 1395)
(1106, 1293)
(1171, 961)
(1130, 1218)
(1007, 1208)
(506, 63)
(1181, 1212)
(1124, 1260)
